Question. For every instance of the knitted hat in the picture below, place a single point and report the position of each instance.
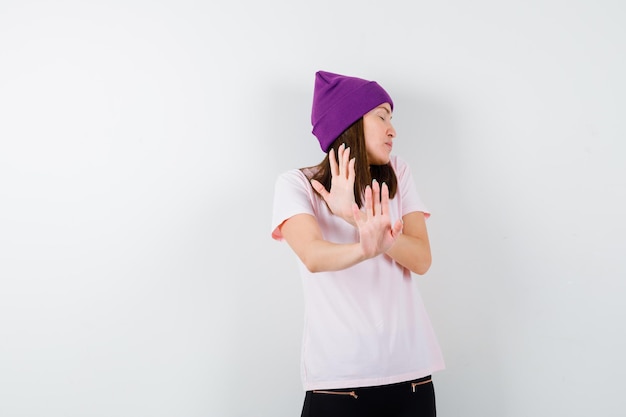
(339, 101)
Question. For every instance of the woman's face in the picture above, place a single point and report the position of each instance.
(379, 134)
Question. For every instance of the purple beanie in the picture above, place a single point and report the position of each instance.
(339, 101)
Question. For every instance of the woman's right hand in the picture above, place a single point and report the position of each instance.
(340, 198)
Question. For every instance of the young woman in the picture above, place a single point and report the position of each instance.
(357, 225)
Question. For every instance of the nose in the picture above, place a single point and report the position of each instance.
(391, 131)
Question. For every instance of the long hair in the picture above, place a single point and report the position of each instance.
(354, 138)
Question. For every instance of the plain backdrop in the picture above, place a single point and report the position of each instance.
(139, 145)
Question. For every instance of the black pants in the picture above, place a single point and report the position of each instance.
(406, 399)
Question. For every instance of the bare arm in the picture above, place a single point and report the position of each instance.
(304, 236)
(376, 235)
(412, 248)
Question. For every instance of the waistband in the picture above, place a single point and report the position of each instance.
(355, 391)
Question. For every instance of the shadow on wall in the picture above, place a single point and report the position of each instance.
(464, 290)
(260, 314)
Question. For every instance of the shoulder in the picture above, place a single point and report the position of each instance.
(293, 181)
(293, 175)
(399, 165)
(296, 176)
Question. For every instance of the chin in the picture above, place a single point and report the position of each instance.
(379, 159)
(385, 160)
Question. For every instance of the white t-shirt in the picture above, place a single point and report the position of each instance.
(365, 325)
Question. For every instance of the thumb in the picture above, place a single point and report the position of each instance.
(397, 228)
(356, 212)
(317, 186)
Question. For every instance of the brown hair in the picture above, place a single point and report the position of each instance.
(354, 138)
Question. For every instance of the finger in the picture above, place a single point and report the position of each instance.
(384, 198)
(345, 162)
(351, 170)
(368, 201)
(334, 170)
(340, 151)
(376, 197)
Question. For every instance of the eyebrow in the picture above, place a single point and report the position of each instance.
(385, 109)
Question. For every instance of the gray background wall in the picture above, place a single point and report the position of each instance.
(140, 141)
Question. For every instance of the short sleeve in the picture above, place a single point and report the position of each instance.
(411, 200)
(292, 195)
